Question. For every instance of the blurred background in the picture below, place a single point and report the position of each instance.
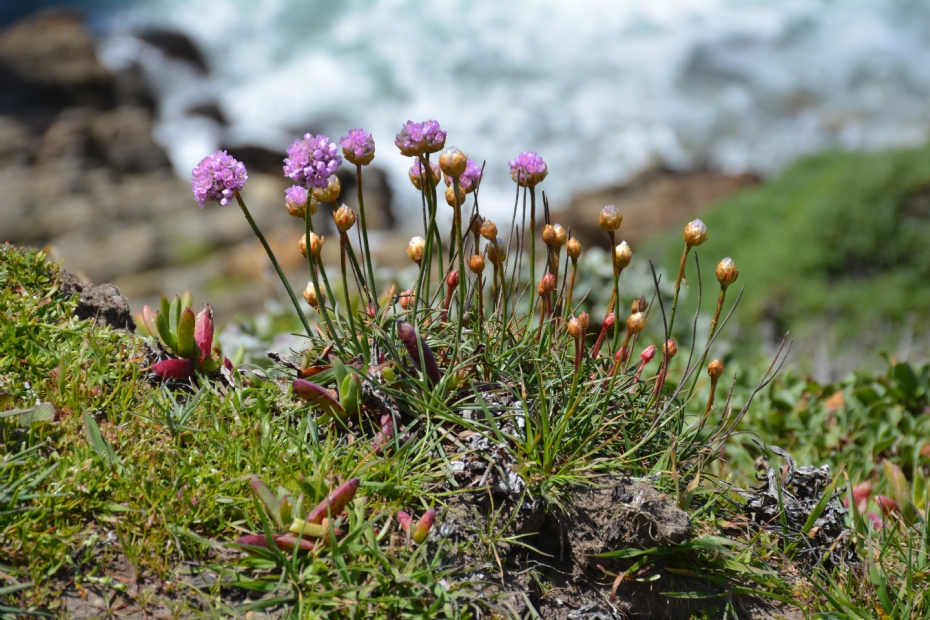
(797, 129)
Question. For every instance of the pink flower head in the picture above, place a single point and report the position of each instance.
(528, 169)
(420, 138)
(217, 178)
(312, 160)
(358, 147)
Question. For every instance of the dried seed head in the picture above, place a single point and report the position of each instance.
(670, 348)
(344, 218)
(313, 298)
(609, 218)
(727, 272)
(547, 284)
(623, 254)
(585, 319)
(575, 329)
(450, 196)
(330, 192)
(489, 230)
(715, 369)
(316, 245)
(476, 263)
(695, 233)
(636, 322)
(573, 248)
(415, 249)
(639, 304)
(648, 354)
(497, 252)
(453, 162)
(407, 298)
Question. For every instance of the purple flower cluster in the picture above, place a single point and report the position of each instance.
(217, 178)
(295, 197)
(528, 169)
(358, 147)
(469, 179)
(312, 161)
(420, 138)
(416, 173)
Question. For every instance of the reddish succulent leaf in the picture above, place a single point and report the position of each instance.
(174, 369)
(268, 498)
(319, 396)
(148, 319)
(227, 364)
(888, 505)
(203, 331)
(305, 373)
(404, 520)
(253, 540)
(335, 502)
(383, 436)
(289, 541)
(424, 525)
(409, 337)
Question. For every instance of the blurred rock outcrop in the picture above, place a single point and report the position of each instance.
(80, 172)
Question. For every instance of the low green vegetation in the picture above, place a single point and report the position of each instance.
(464, 448)
(838, 239)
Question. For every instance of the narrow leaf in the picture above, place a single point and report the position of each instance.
(272, 506)
(335, 502)
(186, 347)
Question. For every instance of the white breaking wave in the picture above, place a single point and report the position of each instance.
(599, 88)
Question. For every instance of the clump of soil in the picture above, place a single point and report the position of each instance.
(545, 559)
(103, 302)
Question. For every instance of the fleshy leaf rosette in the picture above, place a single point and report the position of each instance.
(187, 337)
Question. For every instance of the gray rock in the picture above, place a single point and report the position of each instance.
(102, 303)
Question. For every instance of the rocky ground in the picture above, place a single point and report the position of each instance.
(81, 173)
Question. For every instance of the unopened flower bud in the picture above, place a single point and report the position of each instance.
(547, 284)
(453, 162)
(670, 348)
(344, 218)
(636, 322)
(609, 321)
(450, 196)
(476, 263)
(415, 249)
(609, 218)
(452, 280)
(585, 319)
(573, 248)
(622, 256)
(575, 329)
(316, 244)
(639, 304)
(715, 369)
(475, 225)
(727, 272)
(489, 230)
(548, 235)
(560, 236)
(312, 297)
(406, 299)
(695, 233)
(648, 354)
(330, 192)
(497, 252)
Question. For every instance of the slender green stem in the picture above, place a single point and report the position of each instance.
(361, 210)
(308, 229)
(463, 277)
(571, 288)
(274, 261)
(532, 251)
(343, 242)
(681, 275)
(710, 336)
